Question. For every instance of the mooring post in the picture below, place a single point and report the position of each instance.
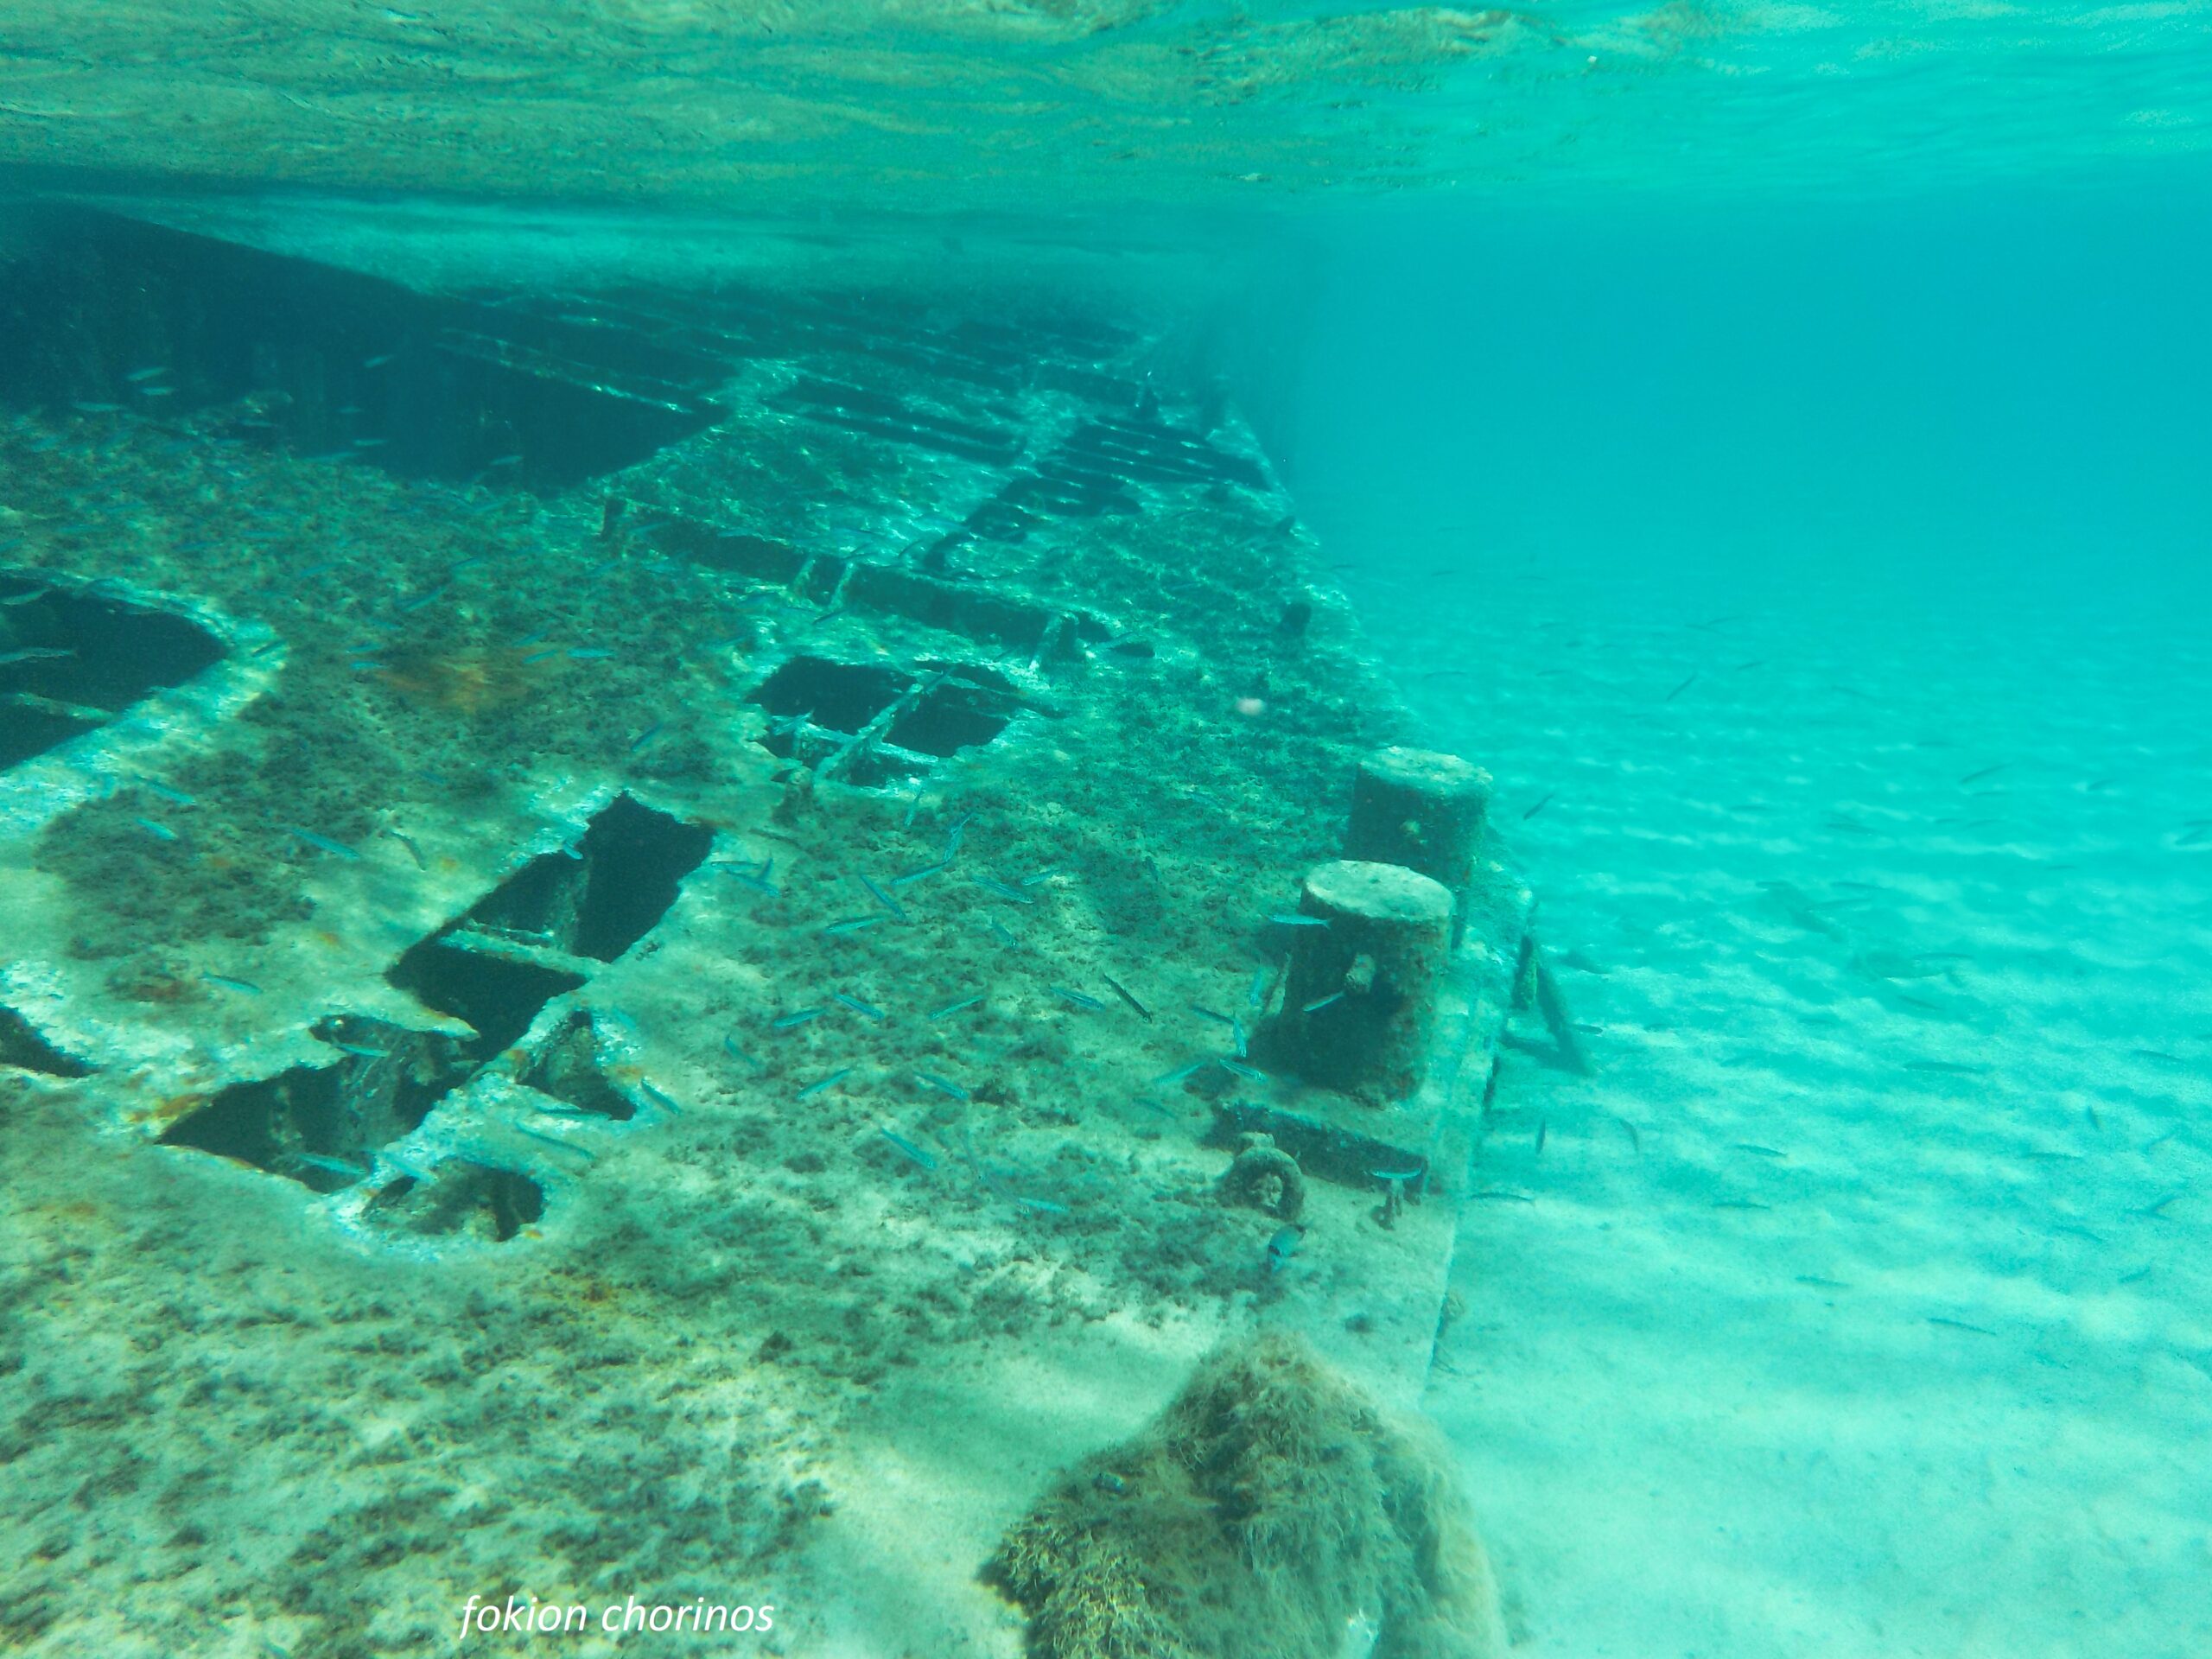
(1422, 810)
(1359, 1010)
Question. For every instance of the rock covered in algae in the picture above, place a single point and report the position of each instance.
(1269, 1512)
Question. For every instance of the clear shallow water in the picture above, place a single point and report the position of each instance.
(1771, 442)
(1828, 605)
(1847, 1310)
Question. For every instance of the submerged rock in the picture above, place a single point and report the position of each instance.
(1270, 1512)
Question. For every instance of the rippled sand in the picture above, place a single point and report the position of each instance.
(1862, 1305)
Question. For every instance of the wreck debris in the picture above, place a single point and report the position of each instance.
(1265, 1177)
(1385, 944)
(1424, 810)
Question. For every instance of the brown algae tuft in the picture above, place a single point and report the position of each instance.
(1269, 1512)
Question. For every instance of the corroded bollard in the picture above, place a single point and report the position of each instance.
(1424, 810)
(1360, 1007)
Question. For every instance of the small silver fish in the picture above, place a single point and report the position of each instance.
(942, 1085)
(916, 1154)
(1127, 994)
(754, 876)
(329, 1165)
(1283, 1246)
(797, 1017)
(544, 1138)
(882, 898)
(866, 1010)
(414, 851)
(952, 1009)
(830, 1082)
(322, 843)
(406, 1163)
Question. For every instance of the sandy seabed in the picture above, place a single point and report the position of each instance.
(1862, 1303)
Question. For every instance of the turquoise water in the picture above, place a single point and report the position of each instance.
(1770, 441)
(1071, 104)
(1824, 588)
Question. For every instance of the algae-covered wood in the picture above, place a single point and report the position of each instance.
(676, 1034)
